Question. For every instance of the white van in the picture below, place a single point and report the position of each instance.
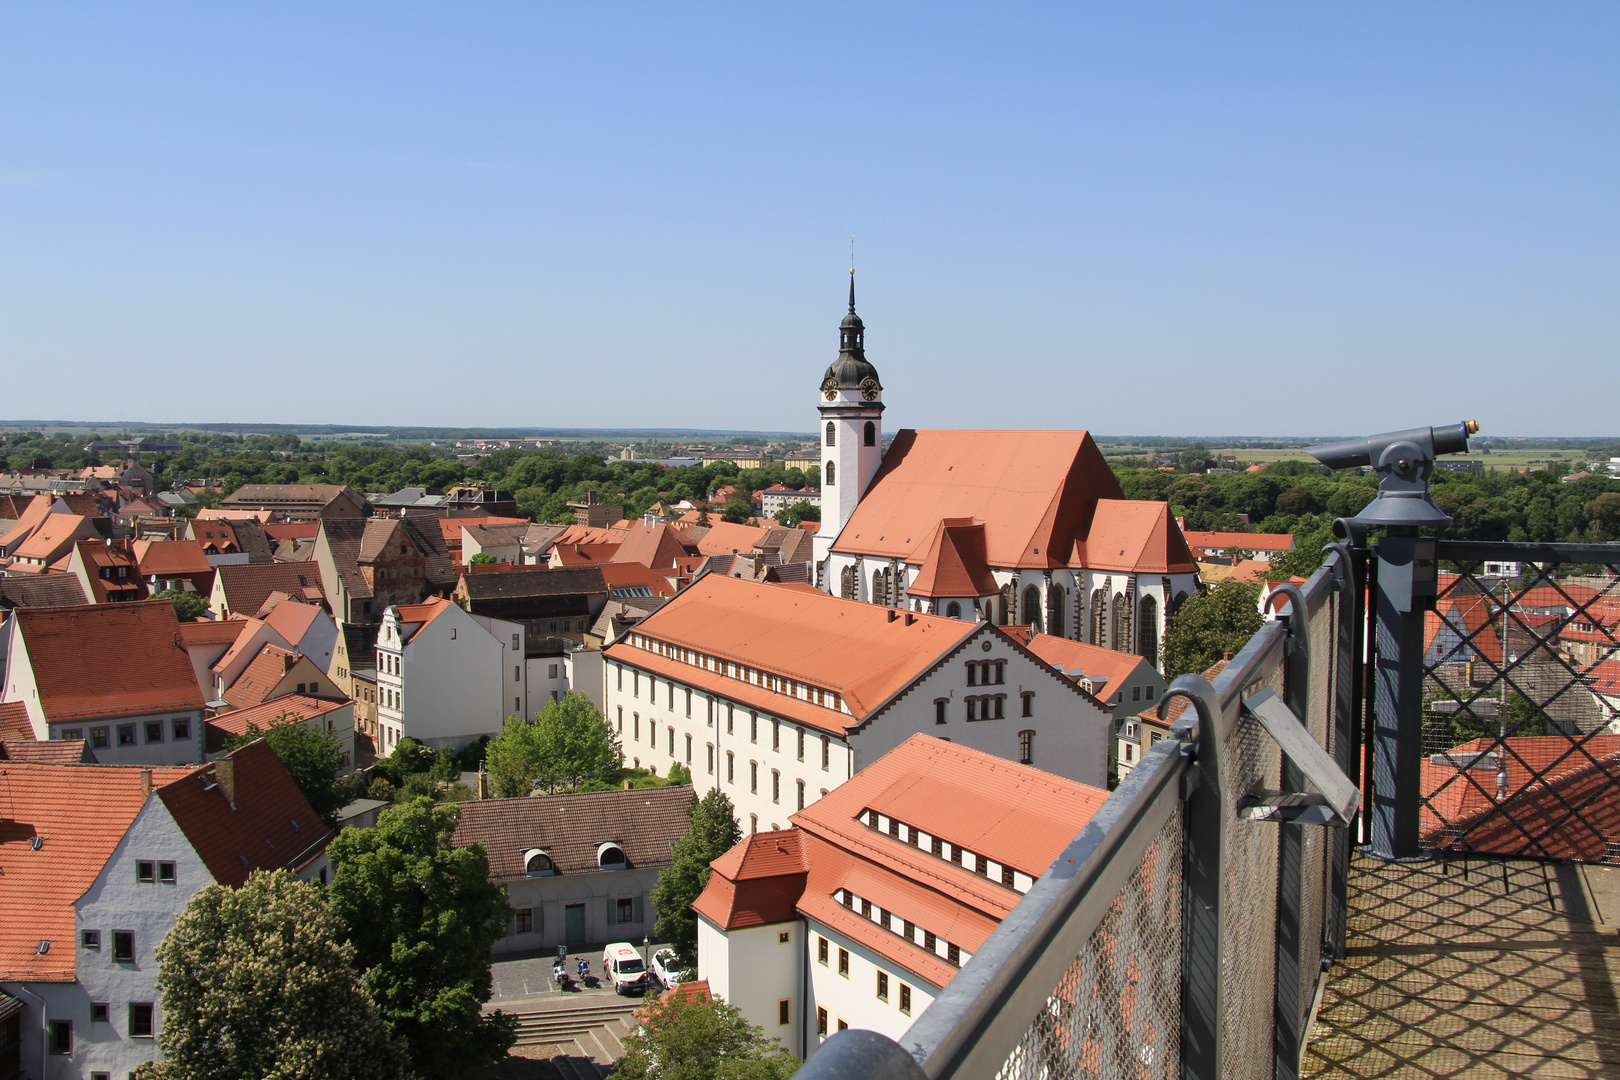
(624, 967)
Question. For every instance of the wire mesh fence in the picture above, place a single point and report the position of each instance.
(1521, 721)
(1117, 1010)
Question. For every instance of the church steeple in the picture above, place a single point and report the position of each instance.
(852, 371)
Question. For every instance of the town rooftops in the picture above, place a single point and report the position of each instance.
(78, 814)
(53, 752)
(14, 722)
(290, 496)
(1221, 541)
(953, 562)
(740, 638)
(263, 673)
(168, 558)
(41, 590)
(572, 829)
(415, 616)
(108, 660)
(285, 709)
(1106, 668)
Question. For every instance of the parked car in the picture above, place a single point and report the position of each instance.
(624, 967)
(665, 971)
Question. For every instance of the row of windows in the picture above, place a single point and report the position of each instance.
(101, 737)
(941, 849)
(906, 929)
(986, 672)
(823, 948)
(776, 684)
(142, 1025)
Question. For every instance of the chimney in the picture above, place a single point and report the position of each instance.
(146, 783)
(483, 784)
(910, 618)
(225, 777)
(893, 614)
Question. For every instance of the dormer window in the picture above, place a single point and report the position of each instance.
(610, 857)
(537, 863)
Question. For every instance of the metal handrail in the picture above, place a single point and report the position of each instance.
(981, 1016)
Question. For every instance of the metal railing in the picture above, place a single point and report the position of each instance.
(1185, 931)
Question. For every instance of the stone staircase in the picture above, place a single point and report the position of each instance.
(581, 1043)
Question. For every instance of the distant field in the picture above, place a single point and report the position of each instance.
(1494, 459)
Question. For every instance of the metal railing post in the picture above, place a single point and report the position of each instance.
(1291, 849)
(1346, 746)
(1203, 867)
(1406, 574)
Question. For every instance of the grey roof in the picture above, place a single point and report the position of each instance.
(248, 585)
(644, 822)
(534, 581)
(41, 590)
(403, 497)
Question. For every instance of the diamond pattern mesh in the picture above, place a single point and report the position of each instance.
(1117, 1010)
(1521, 725)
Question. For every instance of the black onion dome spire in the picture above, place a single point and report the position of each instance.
(851, 371)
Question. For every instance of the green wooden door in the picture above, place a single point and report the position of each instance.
(574, 923)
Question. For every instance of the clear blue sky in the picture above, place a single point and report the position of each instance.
(1157, 219)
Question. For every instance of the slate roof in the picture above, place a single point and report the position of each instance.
(41, 590)
(534, 581)
(645, 822)
(108, 660)
(269, 825)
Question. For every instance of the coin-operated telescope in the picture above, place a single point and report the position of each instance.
(1404, 461)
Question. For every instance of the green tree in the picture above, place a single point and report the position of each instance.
(799, 511)
(513, 759)
(311, 757)
(737, 511)
(701, 1038)
(483, 558)
(1210, 625)
(576, 743)
(423, 917)
(188, 606)
(712, 832)
(259, 982)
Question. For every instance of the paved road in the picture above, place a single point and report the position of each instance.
(528, 975)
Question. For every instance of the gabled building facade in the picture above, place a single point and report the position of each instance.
(777, 694)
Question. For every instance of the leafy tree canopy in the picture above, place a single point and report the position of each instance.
(423, 916)
(568, 745)
(737, 511)
(713, 832)
(799, 511)
(701, 1038)
(1209, 625)
(188, 606)
(258, 982)
(311, 757)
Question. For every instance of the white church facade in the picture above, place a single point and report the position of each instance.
(1011, 527)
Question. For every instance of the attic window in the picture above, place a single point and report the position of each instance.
(610, 857)
(536, 863)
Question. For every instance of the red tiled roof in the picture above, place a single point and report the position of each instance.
(267, 825)
(54, 537)
(756, 883)
(79, 813)
(14, 723)
(171, 557)
(953, 564)
(1220, 541)
(624, 574)
(656, 546)
(726, 538)
(52, 752)
(1034, 490)
(292, 619)
(292, 707)
(1108, 669)
(33, 516)
(1167, 715)
(263, 675)
(211, 631)
(865, 652)
(247, 585)
(108, 659)
(421, 614)
(1135, 537)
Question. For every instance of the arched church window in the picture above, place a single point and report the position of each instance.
(1032, 608)
(1147, 634)
(832, 434)
(1122, 624)
(953, 610)
(1056, 601)
(1009, 597)
(871, 434)
(1099, 616)
(1175, 605)
(879, 593)
(846, 583)
(832, 474)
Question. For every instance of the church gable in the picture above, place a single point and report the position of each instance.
(1134, 537)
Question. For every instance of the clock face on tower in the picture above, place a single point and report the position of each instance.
(830, 388)
(870, 388)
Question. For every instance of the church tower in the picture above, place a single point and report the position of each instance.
(851, 432)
